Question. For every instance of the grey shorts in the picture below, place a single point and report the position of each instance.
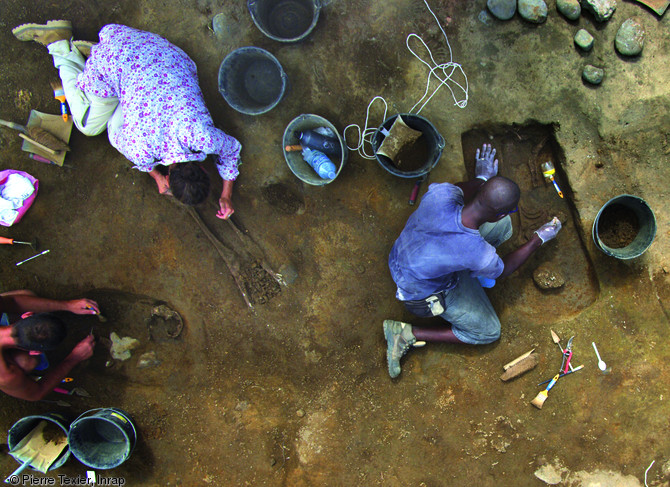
(466, 306)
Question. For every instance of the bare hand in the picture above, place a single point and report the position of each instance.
(486, 165)
(84, 349)
(163, 184)
(83, 307)
(225, 208)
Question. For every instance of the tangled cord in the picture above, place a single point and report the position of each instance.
(444, 73)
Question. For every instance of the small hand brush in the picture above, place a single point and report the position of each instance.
(538, 402)
(59, 94)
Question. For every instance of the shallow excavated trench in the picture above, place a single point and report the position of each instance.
(520, 150)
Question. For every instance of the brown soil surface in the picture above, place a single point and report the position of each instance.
(295, 392)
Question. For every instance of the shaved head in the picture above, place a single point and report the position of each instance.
(498, 195)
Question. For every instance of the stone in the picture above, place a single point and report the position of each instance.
(593, 74)
(629, 39)
(584, 40)
(570, 9)
(549, 474)
(546, 277)
(121, 347)
(601, 9)
(502, 9)
(147, 360)
(533, 10)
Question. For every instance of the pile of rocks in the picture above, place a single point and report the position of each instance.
(629, 39)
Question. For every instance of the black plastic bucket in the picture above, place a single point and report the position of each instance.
(251, 80)
(102, 438)
(434, 141)
(285, 20)
(25, 425)
(626, 214)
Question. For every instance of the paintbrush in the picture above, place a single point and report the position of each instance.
(538, 402)
(59, 94)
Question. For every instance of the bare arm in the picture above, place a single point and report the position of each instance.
(516, 258)
(22, 303)
(20, 384)
(225, 202)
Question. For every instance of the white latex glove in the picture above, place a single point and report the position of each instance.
(549, 230)
(486, 165)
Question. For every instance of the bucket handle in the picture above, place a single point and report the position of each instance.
(102, 409)
(251, 6)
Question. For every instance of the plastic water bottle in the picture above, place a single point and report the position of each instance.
(319, 161)
(314, 140)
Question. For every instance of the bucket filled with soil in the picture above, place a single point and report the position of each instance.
(408, 146)
(624, 227)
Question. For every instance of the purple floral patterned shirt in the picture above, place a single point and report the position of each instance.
(165, 120)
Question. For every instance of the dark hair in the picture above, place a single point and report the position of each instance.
(42, 331)
(189, 183)
(499, 195)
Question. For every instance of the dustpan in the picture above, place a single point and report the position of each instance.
(51, 123)
(39, 451)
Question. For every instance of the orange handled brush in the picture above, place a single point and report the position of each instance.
(59, 94)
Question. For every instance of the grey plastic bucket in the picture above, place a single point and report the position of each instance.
(296, 163)
(434, 140)
(102, 438)
(646, 227)
(251, 80)
(25, 425)
(285, 20)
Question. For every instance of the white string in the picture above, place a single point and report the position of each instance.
(444, 73)
(645, 472)
(368, 132)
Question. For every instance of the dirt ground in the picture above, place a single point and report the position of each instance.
(295, 391)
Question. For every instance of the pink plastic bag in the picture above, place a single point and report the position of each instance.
(28, 201)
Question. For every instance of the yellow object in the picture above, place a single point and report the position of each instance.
(548, 171)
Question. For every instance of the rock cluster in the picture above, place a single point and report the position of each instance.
(629, 39)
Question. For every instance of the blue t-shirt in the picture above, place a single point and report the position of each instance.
(435, 245)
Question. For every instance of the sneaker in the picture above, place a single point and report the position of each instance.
(45, 34)
(399, 339)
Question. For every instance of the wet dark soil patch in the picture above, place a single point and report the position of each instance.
(261, 287)
(284, 198)
(414, 156)
(53, 432)
(618, 226)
